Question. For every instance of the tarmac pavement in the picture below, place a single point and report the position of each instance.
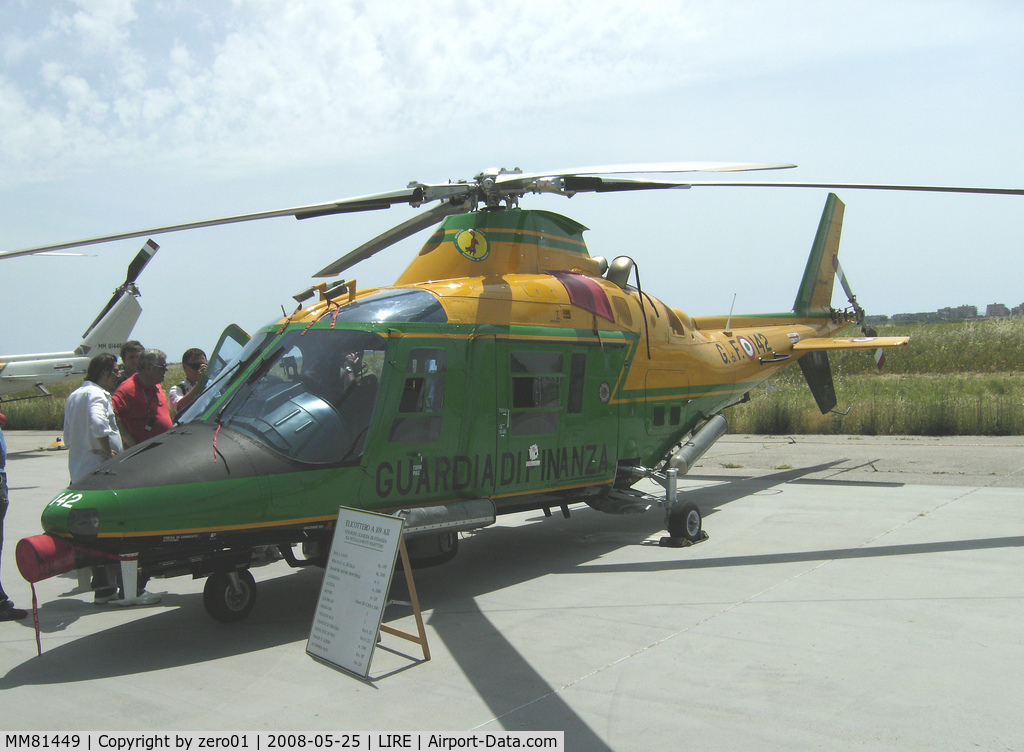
(855, 592)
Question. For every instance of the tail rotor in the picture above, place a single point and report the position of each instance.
(858, 311)
(128, 286)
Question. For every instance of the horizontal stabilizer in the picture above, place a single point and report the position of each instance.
(848, 343)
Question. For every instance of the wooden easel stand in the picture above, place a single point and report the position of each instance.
(420, 638)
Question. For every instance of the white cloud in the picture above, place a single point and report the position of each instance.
(122, 115)
(266, 81)
(100, 26)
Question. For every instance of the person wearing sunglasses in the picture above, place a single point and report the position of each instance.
(185, 392)
(139, 403)
(92, 437)
(90, 430)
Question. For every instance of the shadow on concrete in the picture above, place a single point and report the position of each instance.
(907, 549)
(712, 498)
(177, 632)
(518, 696)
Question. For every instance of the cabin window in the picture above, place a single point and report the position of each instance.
(422, 398)
(536, 362)
(577, 373)
(675, 323)
(536, 392)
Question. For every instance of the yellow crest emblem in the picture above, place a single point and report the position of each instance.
(472, 244)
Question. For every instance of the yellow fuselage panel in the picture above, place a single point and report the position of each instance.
(515, 300)
(445, 262)
(671, 354)
(495, 244)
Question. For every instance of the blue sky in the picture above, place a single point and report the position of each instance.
(118, 115)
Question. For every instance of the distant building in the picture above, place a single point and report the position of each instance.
(960, 312)
(915, 318)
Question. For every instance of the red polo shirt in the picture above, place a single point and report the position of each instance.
(138, 406)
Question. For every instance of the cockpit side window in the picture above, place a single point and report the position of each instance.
(312, 396)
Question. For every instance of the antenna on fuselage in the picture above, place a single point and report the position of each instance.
(728, 321)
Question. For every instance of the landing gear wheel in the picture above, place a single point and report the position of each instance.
(685, 522)
(432, 551)
(229, 596)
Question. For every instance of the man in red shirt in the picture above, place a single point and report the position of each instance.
(139, 403)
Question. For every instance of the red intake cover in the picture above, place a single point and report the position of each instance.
(43, 556)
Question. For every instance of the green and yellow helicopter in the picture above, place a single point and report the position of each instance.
(504, 370)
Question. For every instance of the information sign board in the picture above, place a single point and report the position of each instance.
(355, 588)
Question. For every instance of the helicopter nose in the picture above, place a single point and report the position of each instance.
(79, 514)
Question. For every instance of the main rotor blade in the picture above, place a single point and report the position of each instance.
(586, 183)
(372, 202)
(386, 239)
(566, 182)
(357, 204)
(865, 187)
(654, 167)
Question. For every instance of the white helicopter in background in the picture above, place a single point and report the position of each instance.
(107, 333)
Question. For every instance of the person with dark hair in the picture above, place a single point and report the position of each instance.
(92, 437)
(139, 403)
(8, 612)
(130, 352)
(90, 430)
(183, 394)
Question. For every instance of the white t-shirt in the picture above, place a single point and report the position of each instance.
(178, 391)
(88, 417)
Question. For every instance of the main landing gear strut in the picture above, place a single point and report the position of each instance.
(683, 521)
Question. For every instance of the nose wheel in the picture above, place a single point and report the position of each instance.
(229, 596)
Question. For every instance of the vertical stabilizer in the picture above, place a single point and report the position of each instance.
(815, 295)
(818, 372)
(135, 268)
(113, 330)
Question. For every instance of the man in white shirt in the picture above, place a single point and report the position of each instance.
(91, 436)
(90, 429)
